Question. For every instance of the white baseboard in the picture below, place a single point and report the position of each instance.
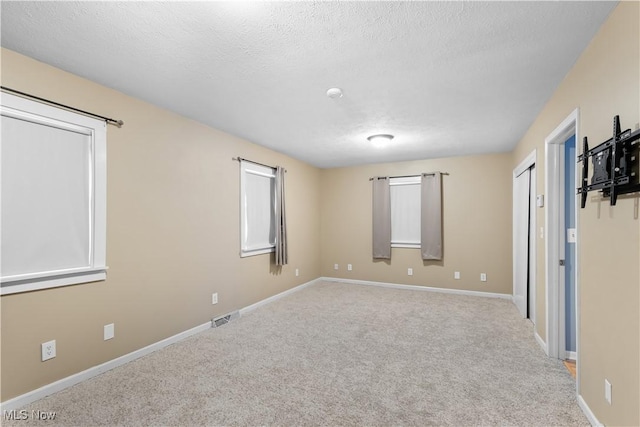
(572, 355)
(44, 391)
(587, 412)
(418, 288)
(276, 297)
(541, 342)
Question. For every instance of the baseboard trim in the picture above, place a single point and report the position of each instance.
(276, 297)
(44, 391)
(542, 343)
(418, 288)
(572, 355)
(588, 413)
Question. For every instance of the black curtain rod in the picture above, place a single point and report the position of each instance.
(408, 176)
(117, 123)
(255, 163)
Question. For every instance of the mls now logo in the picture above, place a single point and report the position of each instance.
(23, 414)
(15, 415)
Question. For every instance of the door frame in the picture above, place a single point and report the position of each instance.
(527, 163)
(555, 294)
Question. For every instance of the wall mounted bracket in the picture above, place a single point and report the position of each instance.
(615, 165)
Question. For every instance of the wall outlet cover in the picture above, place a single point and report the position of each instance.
(607, 391)
(109, 331)
(48, 350)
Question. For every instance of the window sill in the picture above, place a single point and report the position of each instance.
(52, 281)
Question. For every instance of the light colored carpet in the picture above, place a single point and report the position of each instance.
(339, 354)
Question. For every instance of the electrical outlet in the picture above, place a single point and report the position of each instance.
(335, 266)
(410, 272)
(607, 391)
(297, 272)
(349, 267)
(48, 350)
(109, 331)
(483, 277)
(214, 298)
(456, 275)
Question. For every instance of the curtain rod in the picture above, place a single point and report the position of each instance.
(251, 161)
(408, 176)
(114, 122)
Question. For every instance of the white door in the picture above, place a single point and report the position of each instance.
(531, 302)
(521, 243)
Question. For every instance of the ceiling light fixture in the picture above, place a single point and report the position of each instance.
(380, 138)
(334, 92)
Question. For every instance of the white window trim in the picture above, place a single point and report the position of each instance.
(409, 180)
(25, 109)
(247, 167)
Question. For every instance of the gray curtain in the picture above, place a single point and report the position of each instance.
(281, 219)
(431, 216)
(381, 218)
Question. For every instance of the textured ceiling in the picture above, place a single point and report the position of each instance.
(446, 78)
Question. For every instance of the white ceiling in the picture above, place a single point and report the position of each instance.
(446, 78)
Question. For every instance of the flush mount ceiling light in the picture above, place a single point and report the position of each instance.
(380, 138)
(334, 92)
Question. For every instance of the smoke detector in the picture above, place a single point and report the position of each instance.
(334, 92)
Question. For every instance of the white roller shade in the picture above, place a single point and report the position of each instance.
(46, 215)
(257, 208)
(405, 211)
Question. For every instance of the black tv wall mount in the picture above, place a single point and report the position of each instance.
(615, 165)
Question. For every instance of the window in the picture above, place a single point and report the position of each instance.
(257, 209)
(405, 212)
(53, 186)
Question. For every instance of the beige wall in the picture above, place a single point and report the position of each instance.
(477, 225)
(172, 236)
(605, 81)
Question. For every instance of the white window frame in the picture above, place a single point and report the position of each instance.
(248, 248)
(35, 112)
(405, 181)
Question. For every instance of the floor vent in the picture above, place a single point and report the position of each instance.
(223, 320)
